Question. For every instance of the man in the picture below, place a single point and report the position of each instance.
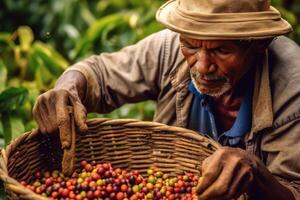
(219, 71)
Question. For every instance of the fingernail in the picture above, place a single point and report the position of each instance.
(83, 128)
(199, 184)
(200, 179)
(65, 144)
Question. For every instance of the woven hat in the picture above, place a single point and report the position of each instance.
(223, 19)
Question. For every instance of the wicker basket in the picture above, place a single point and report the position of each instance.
(125, 143)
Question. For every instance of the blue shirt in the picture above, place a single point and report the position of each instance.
(202, 119)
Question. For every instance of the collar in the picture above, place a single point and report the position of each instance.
(262, 102)
(196, 92)
(242, 123)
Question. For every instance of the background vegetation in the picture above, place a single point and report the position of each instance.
(40, 39)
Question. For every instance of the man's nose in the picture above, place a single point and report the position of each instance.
(204, 64)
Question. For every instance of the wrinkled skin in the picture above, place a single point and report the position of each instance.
(217, 67)
(230, 172)
(225, 176)
(52, 109)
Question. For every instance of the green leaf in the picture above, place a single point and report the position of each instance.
(96, 30)
(43, 78)
(13, 127)
(17, 126)
(30, 125)
(52, 60)
(3, 75)
(25, 37)
(5, 118)
(86, 14)
(1, 129)
(5, 37)
(3, 195)
(33, 91)
(33, 64)
(12, 98)
(71, 31)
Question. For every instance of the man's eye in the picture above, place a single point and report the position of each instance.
(189, 49)
(187, 46)
(222, 51)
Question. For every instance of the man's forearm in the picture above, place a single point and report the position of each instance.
(74, 82)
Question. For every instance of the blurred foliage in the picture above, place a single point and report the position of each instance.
(290, 10)
(94, 25)
(27, 68)
(40, 39)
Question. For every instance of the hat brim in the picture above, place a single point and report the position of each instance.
(223, 26)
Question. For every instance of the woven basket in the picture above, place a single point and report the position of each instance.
(125, 143)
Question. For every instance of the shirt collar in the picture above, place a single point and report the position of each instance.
(243, 121)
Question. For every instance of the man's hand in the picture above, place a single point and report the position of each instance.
(230, 172)
(52, 109)
(226, 174)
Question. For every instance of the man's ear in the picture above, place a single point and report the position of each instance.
(262, 44)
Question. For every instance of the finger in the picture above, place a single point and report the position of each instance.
(49, 112)
(241, 183)
(51, 107)
(63, 120)
(221, 185)
(79, 115)
(39, 119)
(40, 114)
(199, 185)
(210, 172)
(238, 186)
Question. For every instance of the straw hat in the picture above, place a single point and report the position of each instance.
(223, 19)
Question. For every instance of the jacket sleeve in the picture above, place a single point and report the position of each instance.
(281, 143)
(282, 158)
(130, 75)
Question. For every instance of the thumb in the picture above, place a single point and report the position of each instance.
(199, 185)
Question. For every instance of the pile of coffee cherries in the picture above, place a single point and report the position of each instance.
(102, 181)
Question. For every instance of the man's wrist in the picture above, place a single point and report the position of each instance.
(74, 82)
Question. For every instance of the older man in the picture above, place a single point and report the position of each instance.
(222, 69)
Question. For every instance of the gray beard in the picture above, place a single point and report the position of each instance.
(210, 92)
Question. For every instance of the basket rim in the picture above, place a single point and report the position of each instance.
(14, 185)
(127, 122)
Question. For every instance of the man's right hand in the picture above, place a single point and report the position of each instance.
(52, 108)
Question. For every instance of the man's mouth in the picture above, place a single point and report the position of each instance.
(210, 83)
(210, 80)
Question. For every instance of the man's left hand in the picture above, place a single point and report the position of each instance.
(227, 174)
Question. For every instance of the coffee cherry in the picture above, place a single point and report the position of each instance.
(65, 192)
(120, 196)
(101, 181)
(88, 167)
(83, 163)
(124, 188)
(150, 172)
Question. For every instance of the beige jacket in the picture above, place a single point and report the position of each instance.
(154, 68)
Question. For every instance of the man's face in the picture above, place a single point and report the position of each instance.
(216, 66)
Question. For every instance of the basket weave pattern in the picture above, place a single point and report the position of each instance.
(125, 143)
